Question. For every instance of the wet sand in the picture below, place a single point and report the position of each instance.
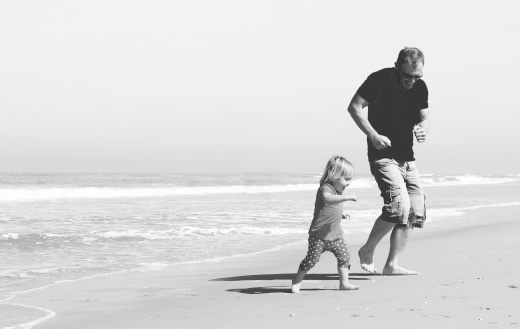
(469, 278)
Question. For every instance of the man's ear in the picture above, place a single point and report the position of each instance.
(396, 66)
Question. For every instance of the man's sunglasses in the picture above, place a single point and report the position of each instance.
(407, 76)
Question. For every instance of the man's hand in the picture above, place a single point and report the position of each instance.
(420, 133)
(381, 142)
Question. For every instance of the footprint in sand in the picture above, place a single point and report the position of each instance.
(436, 315)
(409, 309)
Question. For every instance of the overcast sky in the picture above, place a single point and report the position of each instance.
(239, 86)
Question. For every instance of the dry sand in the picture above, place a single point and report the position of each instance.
(469, 278)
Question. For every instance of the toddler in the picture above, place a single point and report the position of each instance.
(325, 233)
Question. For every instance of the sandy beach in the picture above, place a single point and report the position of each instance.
(162, 162)
(469, 278)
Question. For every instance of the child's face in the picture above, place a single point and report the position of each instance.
(340, 184)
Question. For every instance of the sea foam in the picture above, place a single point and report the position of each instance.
(36, 194)
(63, 193)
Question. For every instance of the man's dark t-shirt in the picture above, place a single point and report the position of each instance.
(393, 111)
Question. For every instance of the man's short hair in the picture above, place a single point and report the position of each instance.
(410, 55)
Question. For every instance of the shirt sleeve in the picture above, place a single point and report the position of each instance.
(326, 188)
(422, 102)
(371, 88)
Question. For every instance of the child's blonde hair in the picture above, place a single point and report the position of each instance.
(337, 167)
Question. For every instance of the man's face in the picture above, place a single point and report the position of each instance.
(408, 74)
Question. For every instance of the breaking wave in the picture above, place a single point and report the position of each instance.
(61, 193)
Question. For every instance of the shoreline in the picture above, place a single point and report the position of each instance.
(122, 299)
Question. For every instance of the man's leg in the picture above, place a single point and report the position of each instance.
(399, 238)
(417, 214)
(390, 176)
(366, 253)
(398, 241)
(413, 200)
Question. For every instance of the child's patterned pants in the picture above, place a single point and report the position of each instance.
(318, 246)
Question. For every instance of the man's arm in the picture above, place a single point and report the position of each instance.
(423, 127)
(356, 112)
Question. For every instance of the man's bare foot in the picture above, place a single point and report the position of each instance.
(367, 261)
(398, 271)
(295, 287)
(348, 286)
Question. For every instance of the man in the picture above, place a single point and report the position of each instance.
(397, 100)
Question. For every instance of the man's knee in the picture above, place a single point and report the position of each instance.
(417, 214)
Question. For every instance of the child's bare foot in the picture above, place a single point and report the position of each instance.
(295, 287)
(348, 286)
(398, 271)
(367, 260)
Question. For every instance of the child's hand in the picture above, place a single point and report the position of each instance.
(351, 197)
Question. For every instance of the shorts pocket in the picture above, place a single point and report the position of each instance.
(392, 208)
(383, 162)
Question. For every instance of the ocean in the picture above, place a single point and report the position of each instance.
(65, 227)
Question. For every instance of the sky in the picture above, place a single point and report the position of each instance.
(210, 86)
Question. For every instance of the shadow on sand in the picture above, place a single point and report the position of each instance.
(268, 290)
(288, 277)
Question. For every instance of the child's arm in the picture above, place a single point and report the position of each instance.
(334, 199)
